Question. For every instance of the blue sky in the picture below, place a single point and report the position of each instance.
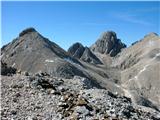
(68, 22)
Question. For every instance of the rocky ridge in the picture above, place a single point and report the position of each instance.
(77, 50)
(33, 53)
(40, 97)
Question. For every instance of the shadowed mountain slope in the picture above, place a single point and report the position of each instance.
(77, 50)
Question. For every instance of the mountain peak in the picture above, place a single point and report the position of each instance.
(108, 43)
(26, 31)
(108, 34)
(77, 50)
(151, 34)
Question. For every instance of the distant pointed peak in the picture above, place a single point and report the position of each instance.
(108, 43)
(108, 34)
(77, 44)
(27, 30)
(151, 34)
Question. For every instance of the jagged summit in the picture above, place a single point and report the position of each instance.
(108, 35)
(26, 31)
(77, 50)
(108, 43)
(152, 34)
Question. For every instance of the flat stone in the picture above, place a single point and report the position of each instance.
(82, 110)
(81, 102)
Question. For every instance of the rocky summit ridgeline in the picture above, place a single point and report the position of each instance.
(108, 43)
(77, 50)
(106, 81)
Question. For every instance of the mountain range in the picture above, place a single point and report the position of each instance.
(133, 72)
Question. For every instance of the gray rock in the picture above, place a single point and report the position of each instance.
(89, 57)
(22, 53)
(77, 50)
(82, 110)
(6, 70)
(108, 44)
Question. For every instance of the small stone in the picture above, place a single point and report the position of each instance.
(64, 105)
(62, 99)
(34, 118)
(81, 102)
(66, 97)
(13, 112)
(25, 73)
(27, 85)
(106, 115)
(112, 95)
(39, 87)
(112, 111)
(127, 113)
(52, 91)
(15, 99)
(38, 107)
(31, 78)
(73, 117)
(19, 71)
(48, 91)
(82, 110)
(62, 89)
(17, 94)
(20, 85)
(14, 86)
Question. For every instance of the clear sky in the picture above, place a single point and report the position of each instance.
(68, 22)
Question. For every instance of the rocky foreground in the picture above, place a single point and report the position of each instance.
(41, 97)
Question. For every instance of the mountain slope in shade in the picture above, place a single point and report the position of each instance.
(77, 50)
(34, 53)
(140, 70)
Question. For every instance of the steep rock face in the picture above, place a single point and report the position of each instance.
(77, 50)
(89, 57)
(108, 44)
(34, 53)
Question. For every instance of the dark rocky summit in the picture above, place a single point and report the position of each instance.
(77, 50)
(108, 43)
(26, 31)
